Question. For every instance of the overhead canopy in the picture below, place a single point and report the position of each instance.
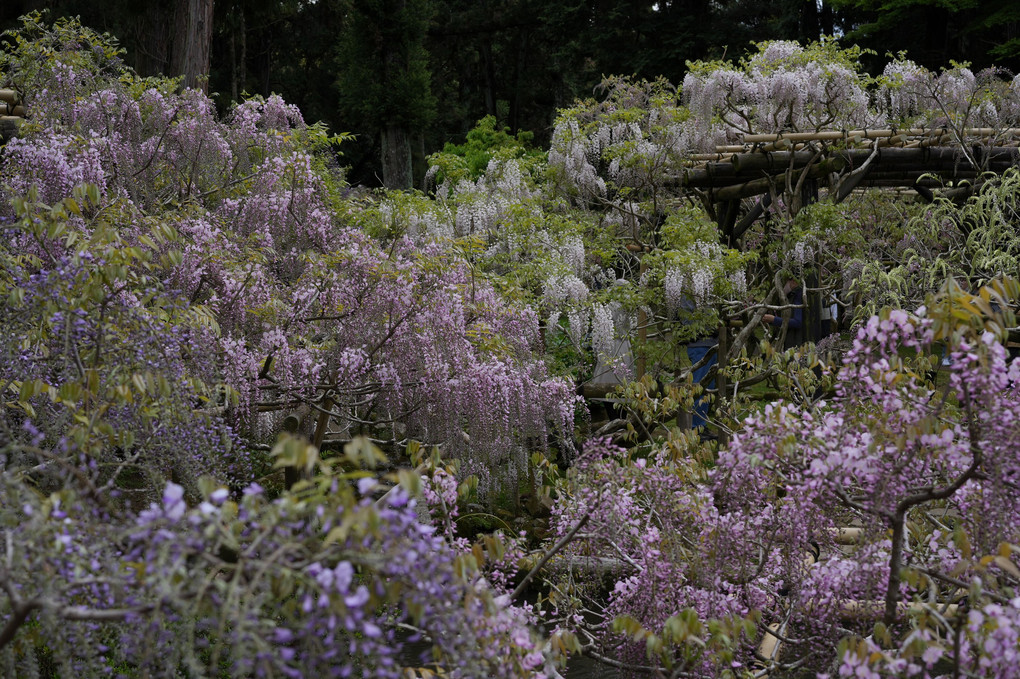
(898, 158)
(942, 161)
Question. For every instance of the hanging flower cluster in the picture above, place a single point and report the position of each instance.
(783, 87)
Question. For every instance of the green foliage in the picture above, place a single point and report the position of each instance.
(484, 142)
(33, 50)
(685, 639)
(975, 242)
(110, 386)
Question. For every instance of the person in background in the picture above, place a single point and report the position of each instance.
(830, 320)
(696, 351)
(795, 319)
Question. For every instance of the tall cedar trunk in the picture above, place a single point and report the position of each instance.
(238, 53)
(151, 36)
(233, 66)
(396, 158)
(193, 25)
(515, 100)
(396, 140)
(826, 20)
(490, 77)
(809, 21)
(419, 161)
(242, 75)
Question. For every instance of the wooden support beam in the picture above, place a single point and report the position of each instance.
(770, 646)
(323, 422)
(770, 162)
(836, 135)
(750, 218)
(9, 127)
(642, 333)
(847, 536)
(757, 187)
(727, 216)
(720, 376)
(292, 424)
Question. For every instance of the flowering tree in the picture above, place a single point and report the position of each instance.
(316, 580)
(173, 286)
(255, 236)
(924, 473)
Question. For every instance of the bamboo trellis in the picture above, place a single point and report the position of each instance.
(12, 114)
(927, 157)
(946, 161)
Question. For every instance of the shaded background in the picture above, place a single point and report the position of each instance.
(406, 76)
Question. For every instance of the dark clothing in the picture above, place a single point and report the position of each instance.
(695, 352)
(707, 341)
(795, 321)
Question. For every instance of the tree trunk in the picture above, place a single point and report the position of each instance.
(233, 66)
(238, 53)
(490, 77)
(419, 161)
(515, 102)
(193, 25)
(809, 23)
(826, 20)
(152, 39)
(243, 59)
(396, 158)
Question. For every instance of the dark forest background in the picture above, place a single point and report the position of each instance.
(407, 76)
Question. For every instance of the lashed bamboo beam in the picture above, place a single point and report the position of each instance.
(860, 609)
(847, 536)
(757, 187)
(744, 163)
(912, 138)
(770, 645)
(706, 157)
(9, 96)
(934, 140)
(833, 135)
(742, 176)
(9, 126)
(703, 177)
(929, 158)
